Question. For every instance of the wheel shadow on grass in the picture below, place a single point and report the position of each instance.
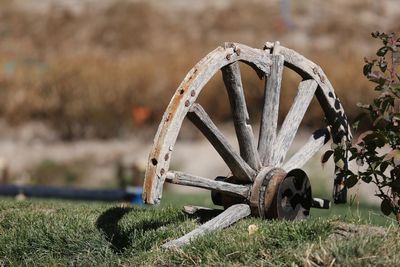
(119, 237)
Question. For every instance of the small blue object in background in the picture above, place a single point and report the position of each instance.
(136, 193)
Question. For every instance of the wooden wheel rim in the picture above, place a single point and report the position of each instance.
(190, 88)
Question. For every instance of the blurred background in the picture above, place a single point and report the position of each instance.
(84, 83)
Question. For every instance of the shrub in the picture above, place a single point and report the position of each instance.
(377, 150)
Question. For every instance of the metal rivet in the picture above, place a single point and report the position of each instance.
(187, 103)
(228, 56)
(162, 171)
(238, 51)
(268, 45)
(166, 157)
(193, 93)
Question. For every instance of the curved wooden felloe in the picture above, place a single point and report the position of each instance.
(325, 94)
(185, 96)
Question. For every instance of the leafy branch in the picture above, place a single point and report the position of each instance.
(377, 151)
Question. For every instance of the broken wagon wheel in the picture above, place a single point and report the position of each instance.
(263, 183)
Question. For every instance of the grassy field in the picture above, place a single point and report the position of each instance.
(59, 233)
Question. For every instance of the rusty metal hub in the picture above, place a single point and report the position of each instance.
(274, 194)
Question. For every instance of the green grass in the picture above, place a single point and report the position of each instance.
(357, 213)
(360, 214)
(60, 233)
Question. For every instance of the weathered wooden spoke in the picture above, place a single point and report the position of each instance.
(316, 141)
(225, 219)
(269, 119)
(261, 184)
(292, 121)
(196, 181)
(236, 164)
(240, 116)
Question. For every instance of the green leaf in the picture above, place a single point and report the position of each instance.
(384, 38)
(387, 102)
(325, 157)
(351, 181)
(386, 207)
(383, 66)
(374, 138)
(395, 173)
(375, 34)
(382, 51)
(367, 179)
(384, 166)
(354, 153)
(395, 186)
(367, 69)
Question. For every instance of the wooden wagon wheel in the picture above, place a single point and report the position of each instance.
(262, 183)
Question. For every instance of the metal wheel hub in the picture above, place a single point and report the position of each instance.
(276, 194)
(294, 198)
